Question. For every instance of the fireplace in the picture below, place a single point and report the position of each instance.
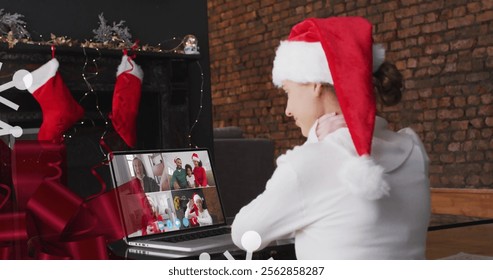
(164, 113)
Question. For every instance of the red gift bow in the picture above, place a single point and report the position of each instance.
(55, 222)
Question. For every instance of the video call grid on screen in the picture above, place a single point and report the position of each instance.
(157, 203)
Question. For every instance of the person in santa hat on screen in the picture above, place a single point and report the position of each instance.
(196, 211)
(199, 172)
(354, 189)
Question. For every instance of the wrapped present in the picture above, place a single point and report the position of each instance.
(48, 220)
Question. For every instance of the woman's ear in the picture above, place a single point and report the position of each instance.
(318, 88)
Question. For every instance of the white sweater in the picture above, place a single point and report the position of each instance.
(306, 200)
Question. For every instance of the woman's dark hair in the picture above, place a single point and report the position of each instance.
(204, 205)
(387, 82)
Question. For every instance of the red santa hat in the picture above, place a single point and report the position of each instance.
(196, 198)
(339, 51)
(195, 157)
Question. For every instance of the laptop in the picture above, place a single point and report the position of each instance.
(169, 200)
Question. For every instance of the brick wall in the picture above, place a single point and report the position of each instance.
(444, 49)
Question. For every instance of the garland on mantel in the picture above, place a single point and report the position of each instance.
(13, 30)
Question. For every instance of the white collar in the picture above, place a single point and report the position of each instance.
(312, 135)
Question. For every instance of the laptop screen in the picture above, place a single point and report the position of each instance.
(166, 191)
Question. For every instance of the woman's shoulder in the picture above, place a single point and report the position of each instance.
(313, 153)
(411, 133)
(147, 178)
(416, 140)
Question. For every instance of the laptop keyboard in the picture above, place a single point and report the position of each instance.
(194, 235)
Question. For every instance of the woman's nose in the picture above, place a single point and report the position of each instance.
(288, 112)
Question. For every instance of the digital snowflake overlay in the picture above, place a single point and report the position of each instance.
(21, 80)
(250, 240)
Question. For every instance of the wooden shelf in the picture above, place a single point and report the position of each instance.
(463, 202)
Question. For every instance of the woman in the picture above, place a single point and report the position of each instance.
(148, 184)
(367, 196)
(198, 212)
(199, 172)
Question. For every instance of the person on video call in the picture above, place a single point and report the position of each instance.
(179, 177)
(151, 218)
(147, 183)
(354, 189)
(199, 172)
(190, 176)
(195, 210)
(164, 179)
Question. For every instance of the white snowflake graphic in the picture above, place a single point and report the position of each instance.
(250, 240)
(21, 80)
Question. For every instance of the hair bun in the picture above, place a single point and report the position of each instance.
(387, 82)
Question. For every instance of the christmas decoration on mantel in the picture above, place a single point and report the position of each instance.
(13, 28)
(116, 36)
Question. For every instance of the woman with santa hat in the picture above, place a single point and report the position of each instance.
(354, 189)
(196, 212)
(199, 172)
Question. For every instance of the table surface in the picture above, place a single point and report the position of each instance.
(473, 239)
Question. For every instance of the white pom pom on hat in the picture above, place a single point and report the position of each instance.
(340, 51)
(195, 157)
(369, 183)
(196, 198)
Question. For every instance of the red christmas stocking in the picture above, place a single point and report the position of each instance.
(126, 99)
(60, 110)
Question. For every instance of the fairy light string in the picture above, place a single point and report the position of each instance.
(201, 105)
(179, 48)
(87, 76)
(176, 48)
